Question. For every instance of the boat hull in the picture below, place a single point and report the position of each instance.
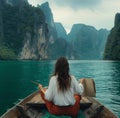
(35, 104)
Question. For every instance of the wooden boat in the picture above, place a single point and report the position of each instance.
(33, 105)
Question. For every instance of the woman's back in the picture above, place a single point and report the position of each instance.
(63, 98)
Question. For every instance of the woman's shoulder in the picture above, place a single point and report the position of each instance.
(53, 78)
(72, 77)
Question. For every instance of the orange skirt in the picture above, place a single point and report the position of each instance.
(63, 110)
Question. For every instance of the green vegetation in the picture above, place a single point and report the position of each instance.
(57, 49)
(6, 53)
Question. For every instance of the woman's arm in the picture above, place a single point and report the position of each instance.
(78, 86)
(49, 94)
(41, 88)
(82, 80)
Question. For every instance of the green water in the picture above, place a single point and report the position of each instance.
(48, 115)
(15, 77)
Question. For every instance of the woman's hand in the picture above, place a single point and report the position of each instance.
(82, 80)
(40, 86)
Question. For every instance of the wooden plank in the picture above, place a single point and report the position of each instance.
(105, 113)
(37, 105)
(11, 113)
(36, 99)
(85, 103)
(86, 100)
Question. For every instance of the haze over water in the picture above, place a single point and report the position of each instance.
(16, 76)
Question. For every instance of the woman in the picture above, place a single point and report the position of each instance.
(63, 94)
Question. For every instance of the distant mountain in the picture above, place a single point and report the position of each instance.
(74, 31)
(102, 39)
(28, 32)
(112, 49)
(56, 44)
(61, 32)
(48, 13)
(85, 42)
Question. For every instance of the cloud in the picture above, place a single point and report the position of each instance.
(35, 2)
(74, 4)
(77, 4)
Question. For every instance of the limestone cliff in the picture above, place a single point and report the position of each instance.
(52, 33)
(35, 49)
(85, 42)
(61, 32)
(23, 31)
(36, 42)
(112, 49)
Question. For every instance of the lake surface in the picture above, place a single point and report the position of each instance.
(16, 76)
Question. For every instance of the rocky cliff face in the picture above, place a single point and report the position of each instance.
(35, 49)
(102, 39)
(61, 32)
(85, 42)
(52, 33)
(48, 14)
(36, 42)
(47, 44)
(112, 49)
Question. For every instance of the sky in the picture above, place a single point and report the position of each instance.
(97, 13)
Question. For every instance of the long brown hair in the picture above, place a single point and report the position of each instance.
(62, 70)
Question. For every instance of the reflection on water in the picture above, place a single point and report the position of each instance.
(16, 76)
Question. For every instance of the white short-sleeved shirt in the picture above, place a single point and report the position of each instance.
(63, 98)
